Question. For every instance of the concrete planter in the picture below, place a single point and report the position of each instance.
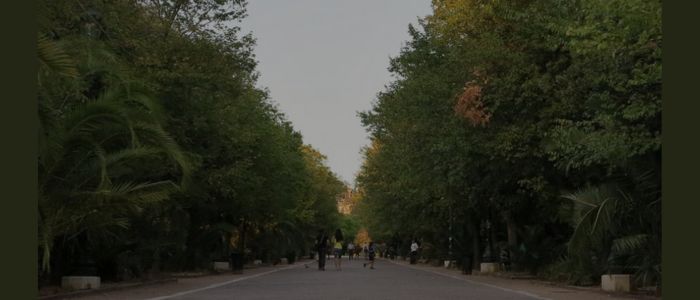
(80, 282)
(221, 266)
(616, 283)
(487, 268)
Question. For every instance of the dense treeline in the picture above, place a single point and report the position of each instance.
(529, 126)
(157, 151)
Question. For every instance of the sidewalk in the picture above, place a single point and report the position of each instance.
(181, 285)
(539, 288)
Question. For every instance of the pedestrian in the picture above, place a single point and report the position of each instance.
(351, 250)
(370, 252)
(364, 251)
(505, 259)
(321, 246)
(414, 252)
(338, 248)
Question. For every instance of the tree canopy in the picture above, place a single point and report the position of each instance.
(528, 126)
(158, 151)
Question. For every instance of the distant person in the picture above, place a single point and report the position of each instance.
(370, 253)
(414, 252)
(351, 250)
(364, 251)
(338, 248)
(321, 246)
(505, 259)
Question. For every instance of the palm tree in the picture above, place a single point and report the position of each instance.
(619, 226)
(101, 161)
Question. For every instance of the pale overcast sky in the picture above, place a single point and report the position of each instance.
(325, 60)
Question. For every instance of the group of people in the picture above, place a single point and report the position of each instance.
(325, 246)
(323, 243)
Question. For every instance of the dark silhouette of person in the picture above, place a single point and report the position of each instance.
(371, 252)
(321, 247)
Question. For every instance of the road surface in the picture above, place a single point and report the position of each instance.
(387, 281)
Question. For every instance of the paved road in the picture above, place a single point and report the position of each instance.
(386, 281)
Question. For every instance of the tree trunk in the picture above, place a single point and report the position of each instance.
(492, 237)
(155, 265)
(512, 235)
(476, 244)
(242, 244)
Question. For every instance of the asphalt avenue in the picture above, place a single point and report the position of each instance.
(386, 281)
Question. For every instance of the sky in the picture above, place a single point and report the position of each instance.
(324, 61)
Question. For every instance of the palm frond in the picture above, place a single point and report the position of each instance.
(594, 210)
(96, 116)
(138, 101)
(52, 57)
(132, 190)
(629, 244)
(128, 154)
(49, 134)
(155, 135)
(104, 176)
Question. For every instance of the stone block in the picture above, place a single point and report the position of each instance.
(221, 266)
(616, 283)
(487, 268)
(80, 282)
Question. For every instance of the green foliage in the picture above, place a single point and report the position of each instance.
(87, 162)
(52, 57)
(501, 107)
(350, 226)
(157, 151)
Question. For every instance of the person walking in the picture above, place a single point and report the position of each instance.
(414, 252)
(351, 250)
(338, 248)
(505, 259)
(321, 246)
(371, 253)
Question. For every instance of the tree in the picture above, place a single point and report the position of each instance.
(88, 153)
(151, 118)
(501, 107)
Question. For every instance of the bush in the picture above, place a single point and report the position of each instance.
(569, 271)
(291, 256)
